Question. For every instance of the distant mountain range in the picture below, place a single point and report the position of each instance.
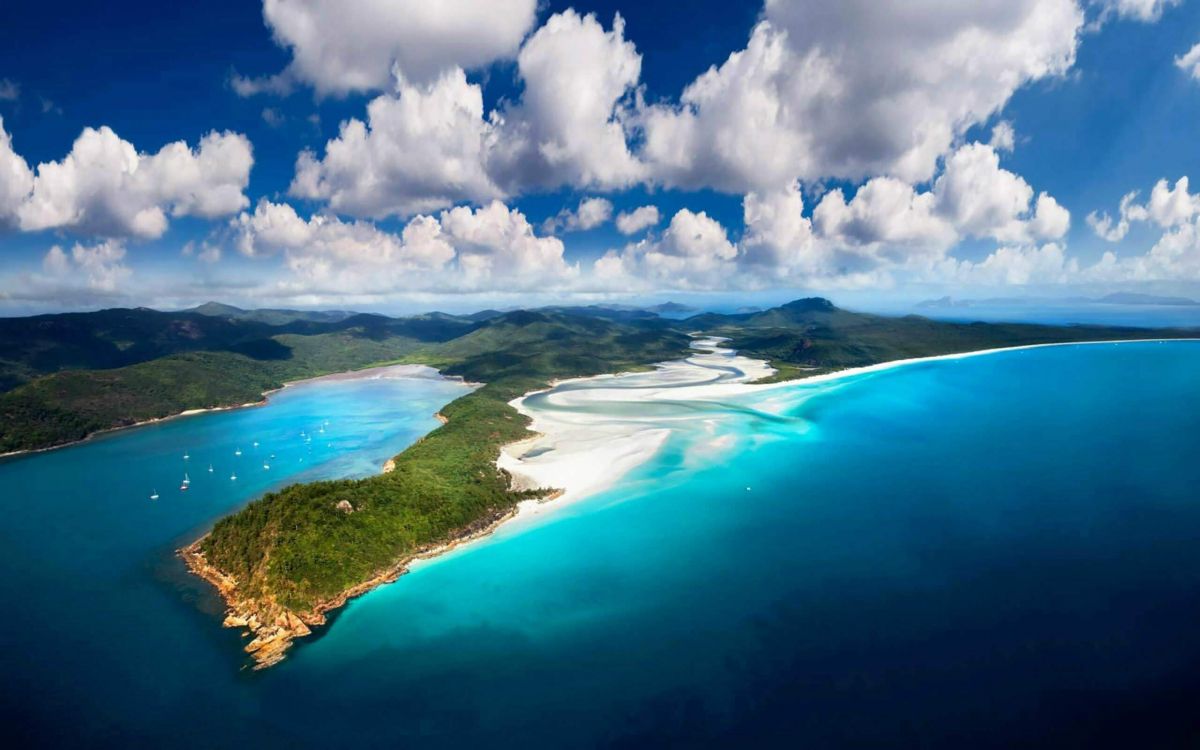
(1116, 298)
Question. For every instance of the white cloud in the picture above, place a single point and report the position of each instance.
(16, 179)
(1138, 10)
(101, 267)
(972, 197)
(430, 145)
(343, 47)
(104, 186)
(567, 128)
(462, 250)
(1168, 207)
(693, 252)
(779, 239)
(419, 150)
(1175, 256)
(855, 89)
(1190, 62)
(1008, 265)
(589, 214)
(10, 91)
(1004, 137)
(640, 218)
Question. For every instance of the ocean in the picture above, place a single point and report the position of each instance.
(994, 551)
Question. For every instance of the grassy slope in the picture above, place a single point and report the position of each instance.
(294, 548)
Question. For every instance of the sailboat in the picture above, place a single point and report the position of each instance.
(233, 477)
(210, 469)
(186, 483)
(154, 495)
(186, 456)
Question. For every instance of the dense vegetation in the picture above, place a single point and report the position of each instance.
(296, 548)
(812, 335)
(118, 367)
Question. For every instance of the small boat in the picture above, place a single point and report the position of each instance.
(210, 469)
(186, 481)
(233, 477)
(266, 465)
(237, 452)
(255, 443)
(154, 495)
(322, 430)
(186, 456)
(272, 455)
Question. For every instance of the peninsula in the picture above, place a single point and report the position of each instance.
(286, 560)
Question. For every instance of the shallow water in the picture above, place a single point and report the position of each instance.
(981, 552)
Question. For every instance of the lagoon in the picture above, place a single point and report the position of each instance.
(975, 552)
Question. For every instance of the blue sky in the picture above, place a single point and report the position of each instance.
(834, 151)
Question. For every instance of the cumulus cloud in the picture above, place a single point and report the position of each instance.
(1175, 255)
(419, 150)
(1168, 207)
(431, 145)
(1138, 10)
(1015, 265)
(100, 267)
(694, 251)
(855, 89)
(589, 214)
(340, 48)
(463, 249)
(637, 220)
(16, 179)
(104, 186)
(1004, 137)
(973, 197)
(1190, 62)
(567, 128)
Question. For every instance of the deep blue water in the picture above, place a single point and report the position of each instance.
(989, 552)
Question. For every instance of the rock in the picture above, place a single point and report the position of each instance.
(233, 621)
(345, 506)
(296, 625)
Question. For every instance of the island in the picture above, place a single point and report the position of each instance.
(286, 560)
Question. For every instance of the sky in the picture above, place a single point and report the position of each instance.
(401, 155)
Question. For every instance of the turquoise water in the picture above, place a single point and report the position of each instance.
(994, 551)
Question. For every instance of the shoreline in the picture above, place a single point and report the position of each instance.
(273, 633)
(263, 401)
(567, 475)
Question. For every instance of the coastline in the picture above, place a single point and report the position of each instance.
(272, 632)
(581, 474)
(365, 372)
(631, 448)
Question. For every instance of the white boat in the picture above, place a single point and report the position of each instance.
(237, 452)
(186, 481)
(154, 495)
(266, 465)
(210, 469)
(186, 456)
(233, 477)
(255, 443)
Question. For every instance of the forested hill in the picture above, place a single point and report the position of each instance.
(63, 377)
(44, 344)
